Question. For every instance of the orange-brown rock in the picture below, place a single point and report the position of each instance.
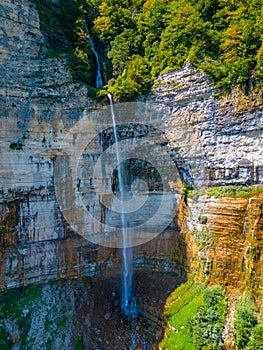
(233, 257)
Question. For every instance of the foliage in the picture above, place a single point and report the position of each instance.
(226, 191)
(133, 81)
(202, 219)
(225, 38)
(245, 320)
(16, 145)
(11, 306)
(195, 317)
(207, 324)
(204, 239)
(78, 344)
(256, 342)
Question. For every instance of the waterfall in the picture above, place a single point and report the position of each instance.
(99, 82)
(128, 302)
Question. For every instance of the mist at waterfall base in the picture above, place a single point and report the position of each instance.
(128, 301)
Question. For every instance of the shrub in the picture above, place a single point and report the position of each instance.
(245, 320)
(207, 324)
(256, 342)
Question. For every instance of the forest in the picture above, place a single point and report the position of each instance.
(137, 40)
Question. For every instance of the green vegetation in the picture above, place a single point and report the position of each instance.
(195, 316)
(11, 306)
(256, 342)
(204, 239)
(78, 345)
(202, 219)
(207, 324)
(21, 308)
(226, 191)
(245, 320)
(65, 26)
(16, 146)
(139, 39)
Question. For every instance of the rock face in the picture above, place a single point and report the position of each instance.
(44, 114)
(213, 141)
(226, 235)
(41, 110)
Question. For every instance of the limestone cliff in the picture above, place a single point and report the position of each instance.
(212, 141)
(208, 141)
(230, 249)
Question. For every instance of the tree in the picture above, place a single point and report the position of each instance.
(122, 48)
(244, 320)
(134, 80)
(114, 17)
(207, 324)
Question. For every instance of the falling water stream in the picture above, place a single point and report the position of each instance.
(129, 307)
(99, 81)
(128, 301)
(128, 304)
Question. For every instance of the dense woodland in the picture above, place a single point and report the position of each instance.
(138, 39)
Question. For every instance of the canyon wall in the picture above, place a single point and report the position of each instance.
(41, 106)
(226, 241)
(209, 141)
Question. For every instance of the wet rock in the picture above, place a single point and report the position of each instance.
(107, 316)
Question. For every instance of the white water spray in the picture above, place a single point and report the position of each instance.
(128, 301)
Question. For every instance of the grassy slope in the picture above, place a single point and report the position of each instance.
(181, 306)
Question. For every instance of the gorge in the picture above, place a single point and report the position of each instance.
(60, 271)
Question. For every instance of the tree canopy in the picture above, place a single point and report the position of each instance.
(139, 39)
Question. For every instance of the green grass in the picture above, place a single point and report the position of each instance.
(187, 316)
(181, 306)
(226, 191)
(182, 296)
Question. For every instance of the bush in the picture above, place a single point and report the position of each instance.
(256, 342)
(195, 317)
(245, 320)
(207, 324)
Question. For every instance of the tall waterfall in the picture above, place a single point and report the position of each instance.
(99, 81)
(128, 302)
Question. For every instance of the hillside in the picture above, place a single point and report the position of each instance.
(138, 39)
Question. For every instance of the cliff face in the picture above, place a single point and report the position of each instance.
(41, 106)
(214, 141)
(211, 141)
(226, 240)
(33, 91)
